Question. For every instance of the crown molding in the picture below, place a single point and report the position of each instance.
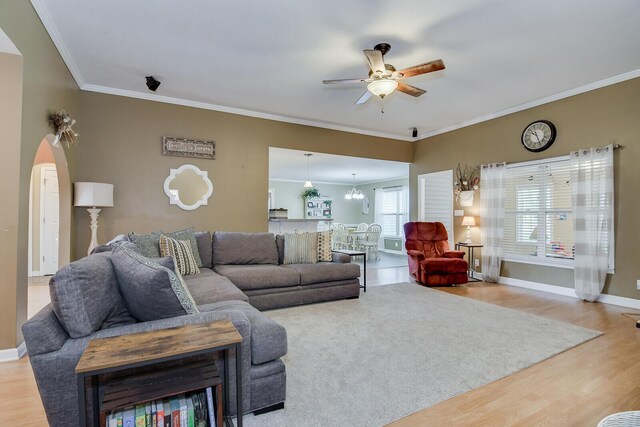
(51, 28)
(535, 103)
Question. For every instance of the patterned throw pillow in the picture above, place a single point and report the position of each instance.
(300, 248)
(148, 243)
(180, 251)
(324, 246)
(189, 235)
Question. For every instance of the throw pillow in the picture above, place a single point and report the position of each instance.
(180, 251)
(85, 296)
(300, 248)
(324, 246)
(150, 291)
(148, 243)
(189, 235)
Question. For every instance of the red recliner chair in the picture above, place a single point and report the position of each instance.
(431, 262)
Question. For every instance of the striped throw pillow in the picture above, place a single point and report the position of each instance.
(300, 248)
(324, 246)
(180, 251)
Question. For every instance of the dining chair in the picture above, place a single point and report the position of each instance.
(360, 234)
(370, 241)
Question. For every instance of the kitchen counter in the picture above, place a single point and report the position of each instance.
(291, 225)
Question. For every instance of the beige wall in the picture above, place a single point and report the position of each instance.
(46, 85)
(121, 144)
(596, 118)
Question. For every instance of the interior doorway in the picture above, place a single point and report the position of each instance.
(49, 220)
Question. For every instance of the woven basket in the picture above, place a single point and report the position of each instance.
(621, 419)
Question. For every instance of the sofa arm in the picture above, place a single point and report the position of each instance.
(340, 258)
(415, 254)
(453, 254)
(43, 333)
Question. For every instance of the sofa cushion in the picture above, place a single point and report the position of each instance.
(444, 265)
(301, 248)
(209, 287)
(148, 243)
(150, 290)
(85, 296)
(259, 276)
(268, 338)
(190, 236)
(203, 239)
(244, 248)
(325, 272)
(182, 254)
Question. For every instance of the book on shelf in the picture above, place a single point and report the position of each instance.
(195, 409)
(129, 417)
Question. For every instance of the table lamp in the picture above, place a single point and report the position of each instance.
(93, 195)
(469, 222)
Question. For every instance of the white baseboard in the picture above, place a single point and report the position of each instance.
(34, 274)
(10, 354)
(568, 292)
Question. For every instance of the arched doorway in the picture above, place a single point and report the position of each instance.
(50, 220)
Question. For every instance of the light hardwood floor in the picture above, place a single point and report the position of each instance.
(576, 388)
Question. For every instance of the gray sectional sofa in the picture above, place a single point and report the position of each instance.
(241, 274)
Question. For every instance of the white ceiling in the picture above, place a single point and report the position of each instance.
(291, 165)
(268, 59)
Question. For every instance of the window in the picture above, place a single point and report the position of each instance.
(538, 224)
(394, 211)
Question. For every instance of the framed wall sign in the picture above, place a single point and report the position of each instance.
(184, 147)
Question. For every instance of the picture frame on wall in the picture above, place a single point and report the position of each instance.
(185, 147)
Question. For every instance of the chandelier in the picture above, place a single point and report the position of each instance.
(354, 194)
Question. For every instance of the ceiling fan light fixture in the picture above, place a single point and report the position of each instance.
(382, 87)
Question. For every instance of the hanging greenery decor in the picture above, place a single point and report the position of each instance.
(310, 193)
(62, 124)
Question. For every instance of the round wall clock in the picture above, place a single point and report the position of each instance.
(538, 136)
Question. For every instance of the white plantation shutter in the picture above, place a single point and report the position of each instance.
(435, 199)
(538, 224)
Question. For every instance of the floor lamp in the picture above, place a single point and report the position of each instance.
(94, 196)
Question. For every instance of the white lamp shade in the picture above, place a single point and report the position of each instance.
(93, 195)
(469, 221)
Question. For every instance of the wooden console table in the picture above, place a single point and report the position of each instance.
(186, 347)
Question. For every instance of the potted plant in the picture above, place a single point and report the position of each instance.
(467, 181)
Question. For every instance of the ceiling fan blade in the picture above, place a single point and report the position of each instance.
(374, 57)
(364, 98)
(427, 67)
(410, 90)
(328, 82)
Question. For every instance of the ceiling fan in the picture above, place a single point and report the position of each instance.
(384, 78)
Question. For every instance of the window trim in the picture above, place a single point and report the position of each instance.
(400, 217)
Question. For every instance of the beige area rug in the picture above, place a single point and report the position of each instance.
(402, 348)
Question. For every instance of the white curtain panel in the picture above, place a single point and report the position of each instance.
(492, 203)
(592, 199)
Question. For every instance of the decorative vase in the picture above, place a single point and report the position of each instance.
(465, 198)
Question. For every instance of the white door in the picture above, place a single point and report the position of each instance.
(50, 220)
(435, 200)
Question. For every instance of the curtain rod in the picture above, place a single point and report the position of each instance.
(615, 147)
